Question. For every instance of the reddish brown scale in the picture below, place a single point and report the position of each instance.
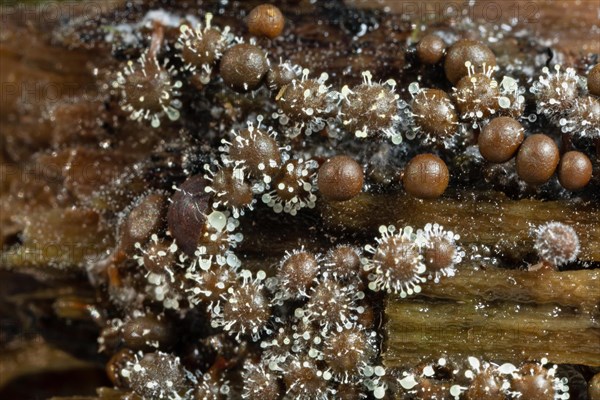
(537, 159)
(346, 352)
(500, 139)
(434, 113)
(593, 80)
(231, 189)
(266, 20)
(147, 332)
(115, 365)
(426, 176)
(467, 50)
(575, 170)
(304, 381)
(260, 383)
(534, 383)
(431, 49)
(243, 67)
(258, 151)
(340, 178)
(146, 218)
(343, 263)
(298, 274)
(477, 96)
(186, 217)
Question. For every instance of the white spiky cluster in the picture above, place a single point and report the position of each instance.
(413, 128)
(189, 38)
(555, 91)
(583, 118)
(159, 377)
(396, 264)
(222, 196)
(220, 233)
(373, 120)
(248, 295)
(512, 99)
(556, 243)
(162, 286)
(505, 375)
(308, 119)
(432, 233)
(262, 182)
(329, 295)
(135, 81)
(295, 184)
(479, 110)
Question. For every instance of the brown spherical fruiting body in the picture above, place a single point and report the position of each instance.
(260, 384)
(346, 352)
(556, 243)
(212, 284)
(231, 189)
(266, 20)
(258, 151)
(477, 96)
(439, 254)
(243, 67)
(298, 273)
(534, 383)
(304, 380)
(330, 304)
(187, 213)
(340, 178)
(303, 101)
(343, 263)
(486, 386)
(147, 331)
(500, 139)
(370, 108)
(157, 257)
(467, 50)
(593, 80)
(574, 170)
(434, 113)
(431, 49)
(246, 310)
(281, 75)
(537, 159)
(203, 49)
(426, 176)
(157, 376)
(115, 365)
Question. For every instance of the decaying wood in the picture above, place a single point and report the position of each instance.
(490, 219)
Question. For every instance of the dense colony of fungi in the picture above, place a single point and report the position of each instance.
(309, 325)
